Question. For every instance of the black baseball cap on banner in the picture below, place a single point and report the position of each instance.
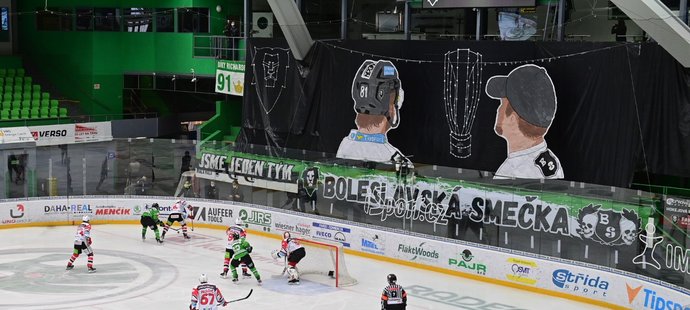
(530, 91)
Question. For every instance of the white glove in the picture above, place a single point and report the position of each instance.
(276, 254)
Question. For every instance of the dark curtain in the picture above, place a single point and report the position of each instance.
(595, 133)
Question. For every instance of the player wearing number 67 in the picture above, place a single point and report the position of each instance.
(527, 109)
(206, 296)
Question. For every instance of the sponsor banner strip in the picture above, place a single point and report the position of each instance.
(572, 280)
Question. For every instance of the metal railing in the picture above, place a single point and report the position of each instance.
(219, 47)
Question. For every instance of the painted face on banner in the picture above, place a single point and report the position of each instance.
(271, 68)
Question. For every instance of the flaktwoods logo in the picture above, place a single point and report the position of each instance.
(421, 252)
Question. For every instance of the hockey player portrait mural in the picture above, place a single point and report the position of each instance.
(378, 97)
(527, 109)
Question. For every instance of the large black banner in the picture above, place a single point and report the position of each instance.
(521, 109)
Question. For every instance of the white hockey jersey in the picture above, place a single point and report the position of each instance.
(234, 229)
(180, 207)
(83, 234)
(289, 245)
(206, 297)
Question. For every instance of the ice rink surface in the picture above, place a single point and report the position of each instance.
(136, 274)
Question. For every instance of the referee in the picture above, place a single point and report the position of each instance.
(394, 296)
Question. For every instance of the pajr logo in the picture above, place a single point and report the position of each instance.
(632, 292)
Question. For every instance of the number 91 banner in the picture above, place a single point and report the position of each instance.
(230, 77)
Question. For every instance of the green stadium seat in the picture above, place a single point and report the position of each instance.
(53, 112)
(19, 80)
(26, 95)
(14, 114)
(7, 96)
(9, 80)
(21, 72)
(37, 87)
(2, 81)
(6, 105)
(18, 87)
(44, 112)
(16, 104)
(3, 72)
(35, 103)
(35, 113)
(26, 104)
(11, 72)
(62, 112)
(4, 115)
(9, 88)
(36, 95)
(28, 80)
(17, 95)
(45, 95)
(53, 103)
(25, 113)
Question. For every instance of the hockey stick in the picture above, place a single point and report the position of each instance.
(284, 269)
(243, 298)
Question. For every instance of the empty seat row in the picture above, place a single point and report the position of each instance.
(20, 88)
(18, 95)
(12, 72)
(35, 113)
(17, 80)
(28, 104)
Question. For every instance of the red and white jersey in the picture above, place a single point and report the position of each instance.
(290, 244)
(234, 229)
(206, 297)
(83, 234)
(180, 207)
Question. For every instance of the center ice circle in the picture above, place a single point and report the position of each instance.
(37, 277)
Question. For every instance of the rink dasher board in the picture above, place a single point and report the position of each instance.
(558, 277)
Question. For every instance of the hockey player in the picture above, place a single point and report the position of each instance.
(394, 296)
(238, 228)
(206, 296)
(241, 249)
(82, 243)
(150, 219)
(178, 213)
(295, 252)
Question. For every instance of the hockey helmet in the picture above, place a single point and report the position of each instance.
(392, 279)
(85, 219)
(203, 278)
(373, 86)
(239, 222)
(155, 205)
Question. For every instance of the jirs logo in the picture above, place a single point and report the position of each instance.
(256, 218)
(580, 283)
(465, 262)
(652, 301)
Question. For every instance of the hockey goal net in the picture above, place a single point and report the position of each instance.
(325, 258)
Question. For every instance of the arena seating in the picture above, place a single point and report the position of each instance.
(21, 99)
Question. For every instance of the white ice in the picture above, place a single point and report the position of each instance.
(136, 274)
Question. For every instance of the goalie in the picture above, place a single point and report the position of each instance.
(293, 252)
